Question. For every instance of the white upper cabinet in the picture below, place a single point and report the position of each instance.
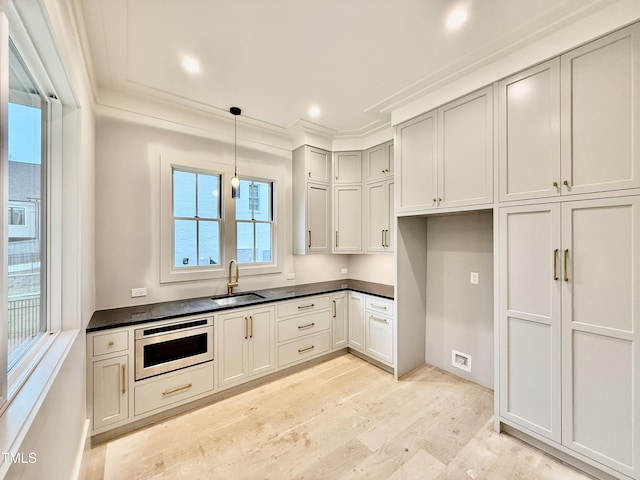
(379, 216)
(417, 153)
(318, 164)
(600, 106)
(465, 151)
(347, 217)
(347, 167)
(318, 218)
(446, 156)
(529, 133)
(379, 162)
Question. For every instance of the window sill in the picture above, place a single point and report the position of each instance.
(23, 407)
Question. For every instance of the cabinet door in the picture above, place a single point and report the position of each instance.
(379, 337)
(529, 133)
(110, 391)
(377, 216)
(234, 354)
(390, 158)
(530, 309)
(356, 321)
(347, 167)
(391, 220)
(377, 163)
(465, 151)
(318, 221)
(339, 318)
(318, 165)
(416, 168)
(262, 341)
(600, 108)
(348, 219)
(601, 310)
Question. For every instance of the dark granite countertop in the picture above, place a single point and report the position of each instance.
(127, 316)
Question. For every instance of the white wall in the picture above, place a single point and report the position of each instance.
(459, 315)
(372, 268)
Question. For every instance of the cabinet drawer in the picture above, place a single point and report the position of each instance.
(110, 342)
(169, 390)
(304, 305)
(303, 348)
(302, 325)
(380, 305)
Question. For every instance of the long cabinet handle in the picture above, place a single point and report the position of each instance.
(124, 379)
(176, 390)
(378, 319)
(566, 274)
(250, 326)
(246, 328)
(336, 239)
(334, 309)
(378, 306)
(555, 264)
(302, 307)
(308, 325)
(382, 243)
(306, 349)
(309, 238)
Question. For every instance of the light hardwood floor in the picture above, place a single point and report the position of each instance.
(341, 419)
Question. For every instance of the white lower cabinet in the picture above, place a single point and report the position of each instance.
(569, 309)
(110, 391)
(247, 344)
(356, 321)
(339, 321)
(379, 329)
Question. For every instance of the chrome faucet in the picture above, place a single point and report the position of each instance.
(231, 284)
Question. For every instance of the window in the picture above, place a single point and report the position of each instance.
(196, 219)
(254, 221)
(27, 240)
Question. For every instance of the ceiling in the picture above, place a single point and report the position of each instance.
(357, 60)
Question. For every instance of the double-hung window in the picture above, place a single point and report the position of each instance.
(196, 219)
(254, 221)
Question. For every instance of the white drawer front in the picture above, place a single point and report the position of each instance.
(303, 325)
(110, 342)
(304, 348)
(304, 305)
(380, 305)
(169, 390)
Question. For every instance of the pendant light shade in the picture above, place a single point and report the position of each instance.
(235, 181)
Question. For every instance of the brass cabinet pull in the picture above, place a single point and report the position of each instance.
(308, 325)
(246, 328)
(382, 243)
(250, 326)
(387, 237)
(124, 379)
(110, 344)
(439, 200)
(555, 184)
(435, 201)
(378, 306)
(334, 309)
(306, 349)
(555, 264)
(300, 307)
(336, 238)
(566, 274)
(309, 238)
(378, 319)
(176, 390)
(566, 184)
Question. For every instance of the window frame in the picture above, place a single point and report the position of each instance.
(254, 222)
(208, 165)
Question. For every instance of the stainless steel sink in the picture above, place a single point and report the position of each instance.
(236, 299)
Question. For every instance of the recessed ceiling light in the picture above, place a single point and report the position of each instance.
(457, 17)
(191, 65)
(314, 112)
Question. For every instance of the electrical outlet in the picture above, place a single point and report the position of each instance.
(138, 292)
(475, 278)
(461, 360)
(344, 270)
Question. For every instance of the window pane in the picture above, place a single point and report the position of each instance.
(26, 232)
(185, 243)
(208, 195)
(245, 242)
(263, 242)
(243, 201)
(209, 243)
(261, 201)
(184, 194)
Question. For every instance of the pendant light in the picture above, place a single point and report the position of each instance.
(235, 181)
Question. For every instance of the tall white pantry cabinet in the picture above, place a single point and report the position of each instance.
(569, 253)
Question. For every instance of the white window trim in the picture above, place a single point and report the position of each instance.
(170, 274)
(273, 222)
